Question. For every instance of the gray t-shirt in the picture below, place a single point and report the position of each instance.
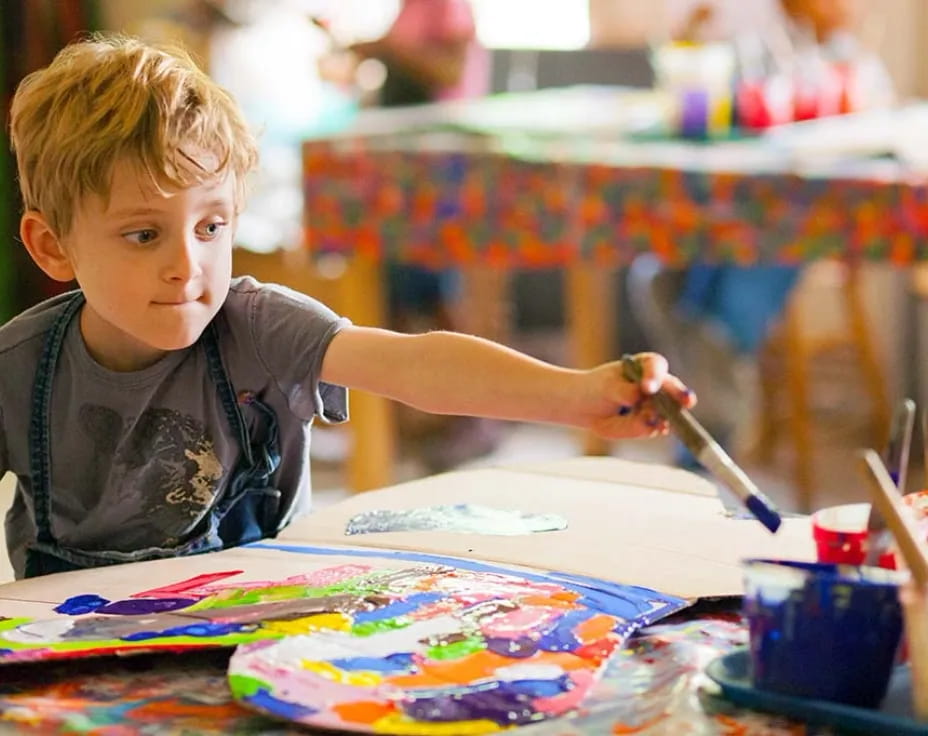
(137, 458)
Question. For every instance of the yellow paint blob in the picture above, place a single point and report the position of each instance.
(361, 678)
(403, 726)
(307, 624)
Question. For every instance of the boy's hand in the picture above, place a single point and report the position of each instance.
(622, 409)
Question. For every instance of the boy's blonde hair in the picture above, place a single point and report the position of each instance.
(110, 97)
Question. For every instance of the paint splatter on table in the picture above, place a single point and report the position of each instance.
(462, 517)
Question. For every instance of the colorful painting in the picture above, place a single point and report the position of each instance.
(375, 641)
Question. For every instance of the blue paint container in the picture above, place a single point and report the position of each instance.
(822, 630)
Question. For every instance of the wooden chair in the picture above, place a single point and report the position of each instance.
(786, 369)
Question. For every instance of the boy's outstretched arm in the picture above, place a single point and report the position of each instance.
(451, 373)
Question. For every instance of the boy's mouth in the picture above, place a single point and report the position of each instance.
(175, 302)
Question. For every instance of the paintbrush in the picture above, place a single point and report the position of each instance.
(913, 595)
(896, 458)
(707, 451)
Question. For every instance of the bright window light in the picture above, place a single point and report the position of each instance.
(536, 24)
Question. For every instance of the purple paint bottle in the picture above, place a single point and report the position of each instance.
(822, 630)
(694, 113)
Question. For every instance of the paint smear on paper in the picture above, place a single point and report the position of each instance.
(464, 517)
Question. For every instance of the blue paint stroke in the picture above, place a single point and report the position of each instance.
(541, 688)
(397, 608)
(562, 637)
(200, 629)
(629, 602)
(399, 663)
(80, 604)
(263, 700)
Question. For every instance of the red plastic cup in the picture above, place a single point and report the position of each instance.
(840, 533)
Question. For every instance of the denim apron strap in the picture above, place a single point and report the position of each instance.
(40, 422)
(250, 508)
(227, 396)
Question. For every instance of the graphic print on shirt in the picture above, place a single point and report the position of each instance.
(167, 466)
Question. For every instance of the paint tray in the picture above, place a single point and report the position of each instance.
(732, 673)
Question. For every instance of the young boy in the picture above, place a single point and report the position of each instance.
(164, 408)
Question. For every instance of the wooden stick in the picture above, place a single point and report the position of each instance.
(888, 502)
(914, 594)
(914, 600)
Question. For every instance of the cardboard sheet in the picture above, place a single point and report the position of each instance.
(632, 523)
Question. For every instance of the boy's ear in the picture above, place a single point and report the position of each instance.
(44, 246)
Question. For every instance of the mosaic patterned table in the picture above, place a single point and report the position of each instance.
(443, 189)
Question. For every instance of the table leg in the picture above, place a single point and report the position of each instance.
(373, 422)
(483, 308)
(591, 321)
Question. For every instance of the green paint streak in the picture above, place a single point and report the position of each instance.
(369, 628)
(160, 642)
(246, 597)
(359, 586)
(243, 686)
(12, 623)
(457, 649)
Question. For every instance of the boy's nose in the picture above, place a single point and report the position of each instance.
(183, 262)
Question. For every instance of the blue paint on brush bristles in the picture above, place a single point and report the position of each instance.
(765, 514)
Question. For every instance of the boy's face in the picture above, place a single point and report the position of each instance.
(155, 267)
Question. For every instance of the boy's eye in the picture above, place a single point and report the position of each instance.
(210, 230)
(141, 237)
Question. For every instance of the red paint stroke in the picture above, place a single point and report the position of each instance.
(194, 582)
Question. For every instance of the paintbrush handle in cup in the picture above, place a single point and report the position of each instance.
(897, 462)
(914, 600)
(913, 594)
(888, 502)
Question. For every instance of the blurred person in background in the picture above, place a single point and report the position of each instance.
(430, 53)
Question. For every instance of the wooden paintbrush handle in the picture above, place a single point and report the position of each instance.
(888, 502)
(914, 600)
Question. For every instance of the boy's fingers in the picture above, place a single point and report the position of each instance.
(654, 371)
(643, 423)
(655, 375)
(679, 391)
